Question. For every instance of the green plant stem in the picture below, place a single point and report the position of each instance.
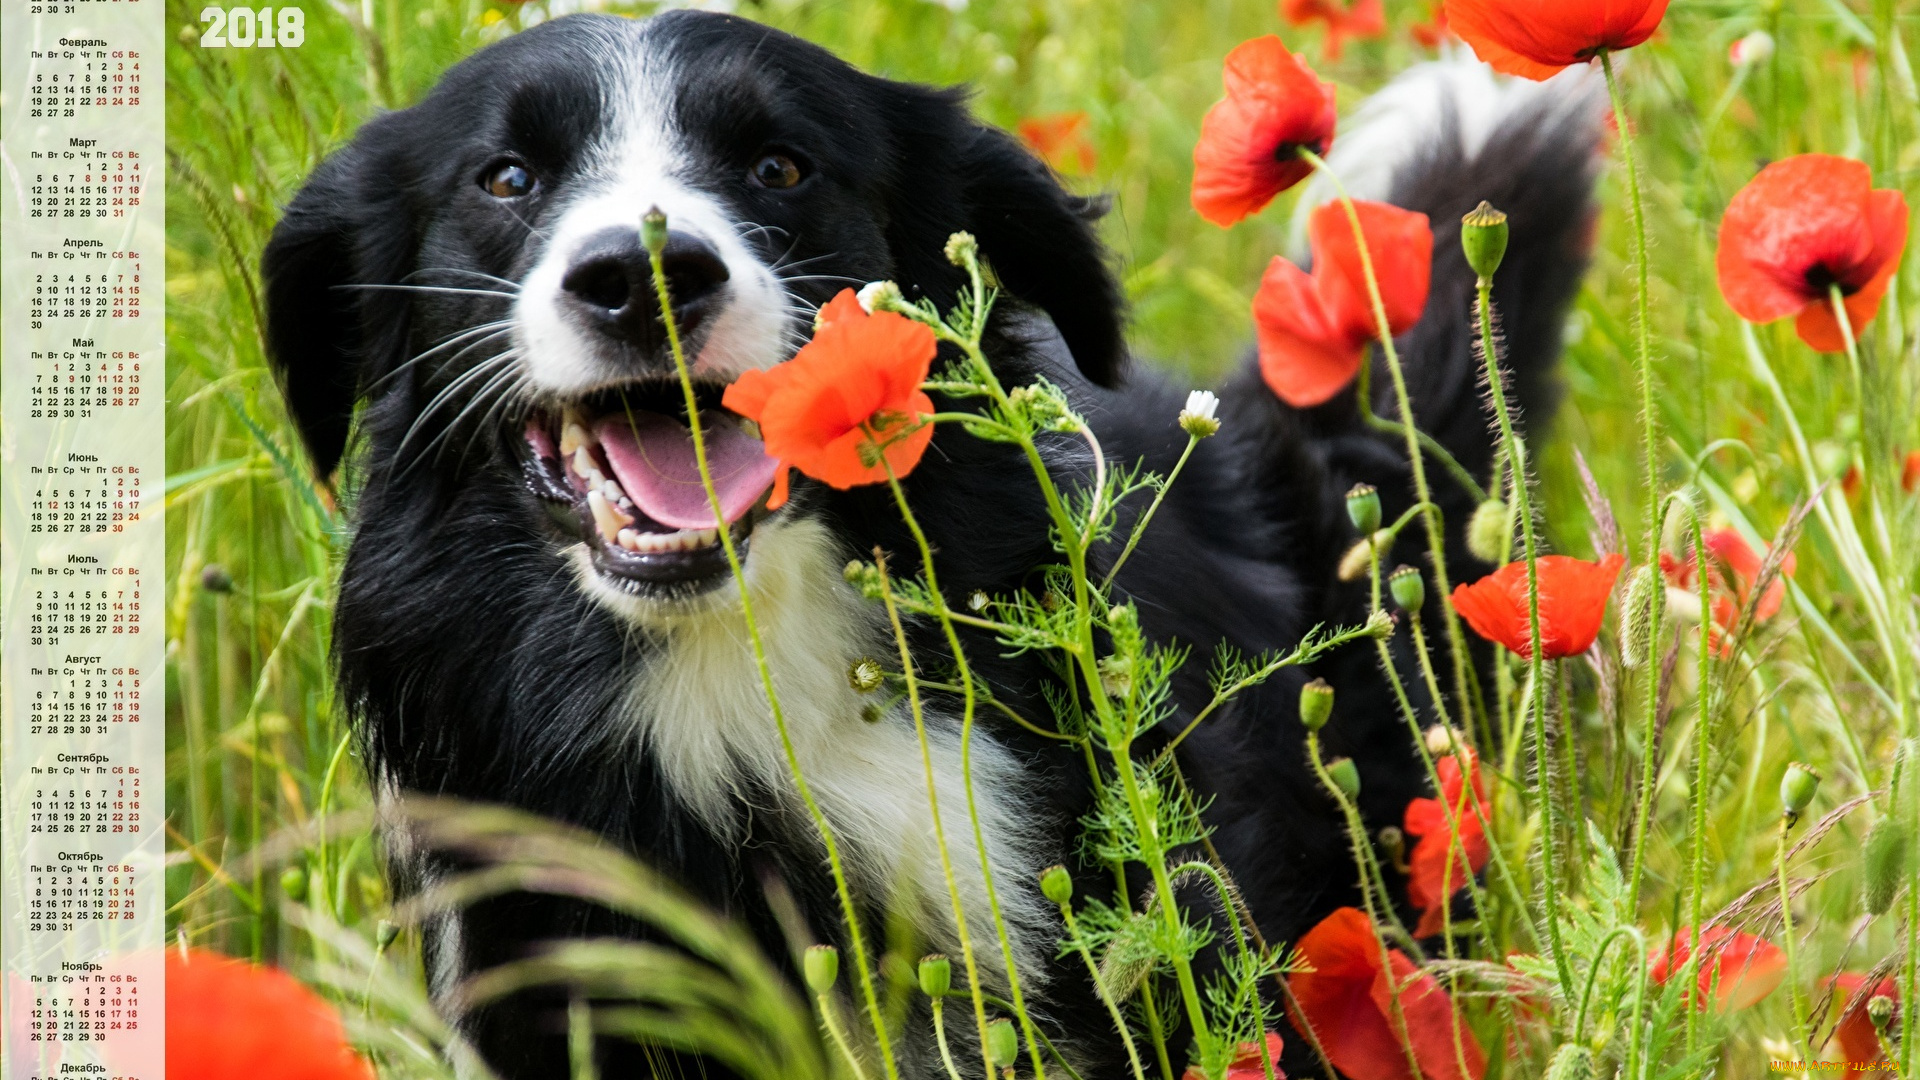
(1896, 666)
(967, 958)
(1084, 654)
(966, 771)
(940, 1037)
(1363, 857)
(1436, 533)
(1803, 1034)
(1106, 999)
(838, 1036)
(856, 938)
(1643, 356)
(1140, 527)
(1536, 688)
(1702, 756)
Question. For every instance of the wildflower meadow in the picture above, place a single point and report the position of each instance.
(1670, 834)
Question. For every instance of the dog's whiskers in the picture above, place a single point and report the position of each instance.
(490, 330)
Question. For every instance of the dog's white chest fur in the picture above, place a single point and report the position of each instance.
(699, 707)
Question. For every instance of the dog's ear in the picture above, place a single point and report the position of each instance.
(1040, 240)
(324, 338)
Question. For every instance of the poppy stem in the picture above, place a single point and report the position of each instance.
(940, 1037)
(1841, 316)
(1802, 1033)
(1100, 988)
(967, 716)
(1436, 529)
(1536, 687)
(838, 1036)
(967, 958)
(1363, 858)
(855, 936)
(1643, 353)
(1702, 757)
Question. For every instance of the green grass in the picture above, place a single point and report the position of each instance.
(257, 744)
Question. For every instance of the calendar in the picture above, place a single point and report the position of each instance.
(82, 539)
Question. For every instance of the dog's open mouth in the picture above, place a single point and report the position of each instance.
(619, 470)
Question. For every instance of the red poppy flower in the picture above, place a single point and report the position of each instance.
(1733, 568)
(1910, 473)
(1246, 1062)
(230, 1020)
(1537, 38)
(1365, 19)
(1061, 141)
(1737, 970)
(854, 387)
(1855, 1034)
(1346, 1000)
(1436, 873)
(1246, 155)
(1314, 329)
(1573, 600)
(1801, 226)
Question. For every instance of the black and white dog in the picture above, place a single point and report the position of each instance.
(535, 609)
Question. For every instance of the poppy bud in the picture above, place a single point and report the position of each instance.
(1797, 786)
(293, 882)
(865, 675)
(1198, 419)
(1483, 236)
(1394, 843)
(1346, 776)
(1880, 1011)
(1439, 739)
(1488, 531)
(1363, 508)
(822, 966)
(1354, 564)
(1572, 1061)
(1003, 1043)
(872, 713)
(385, 934)
(215, 579)
(1643, 591)
(1056, 884)
(1316, 704)
(1886, 863)
(936, 975)
(653, 231)
(1409, 591)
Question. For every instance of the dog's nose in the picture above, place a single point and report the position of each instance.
(610, 285)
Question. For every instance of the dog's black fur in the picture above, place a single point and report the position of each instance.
(474, 667)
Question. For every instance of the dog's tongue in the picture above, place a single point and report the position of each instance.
(653, 460)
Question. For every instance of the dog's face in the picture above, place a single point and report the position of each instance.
(472, 267)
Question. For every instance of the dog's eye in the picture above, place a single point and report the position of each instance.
(508, 180)
(775, 171)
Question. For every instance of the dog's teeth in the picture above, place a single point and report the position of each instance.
(573, 437)
(611, 489)
(628, 539)
(702, 538)
(587, 470)
(609, 519)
